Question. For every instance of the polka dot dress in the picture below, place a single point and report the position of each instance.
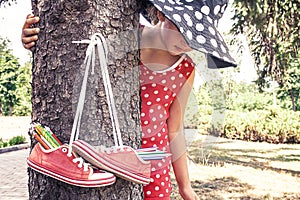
(158, 91)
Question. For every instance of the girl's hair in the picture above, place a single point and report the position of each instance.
(152, 12)
(149, 11)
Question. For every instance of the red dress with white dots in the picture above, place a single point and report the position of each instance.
(158, 91)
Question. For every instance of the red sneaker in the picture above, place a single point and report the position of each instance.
(122, 161)
(69, 169)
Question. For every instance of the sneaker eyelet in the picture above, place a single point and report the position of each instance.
(64, 150)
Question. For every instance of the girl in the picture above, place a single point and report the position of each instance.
(167, 76)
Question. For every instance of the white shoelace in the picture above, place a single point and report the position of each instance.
(97, 42)
(81, 163)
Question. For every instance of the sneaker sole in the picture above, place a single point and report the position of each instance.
(96, 183)
(92, 157)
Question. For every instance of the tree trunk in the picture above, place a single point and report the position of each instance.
(57, 75)
(293, 101)
(11, 106)
(0, 108)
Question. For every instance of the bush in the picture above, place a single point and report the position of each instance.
(17, 140)
(14, 141)
(272, 125)
(3, 144)
(246, 115)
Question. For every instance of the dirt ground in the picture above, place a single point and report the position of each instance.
(227, 169)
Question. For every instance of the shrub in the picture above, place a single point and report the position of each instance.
(271, 125)
(17, 140)
(13, 141)
(3, 143)
(249, 115)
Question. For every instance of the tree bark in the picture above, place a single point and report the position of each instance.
(57, 75)
(0, 108)
(293, 101)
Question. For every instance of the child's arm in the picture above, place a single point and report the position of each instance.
(29, 33)
(177, 141)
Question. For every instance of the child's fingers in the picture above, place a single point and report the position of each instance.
(30, 21)
(29, 39)
(29, 42)
(30, 31)
(29, 35)
(28, 45)
(29, 16)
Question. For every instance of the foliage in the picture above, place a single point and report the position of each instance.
(272, 125)
(246, 97)
(291, 88)
(23, 91)
(15, 89)
(250, 114)
(17, 140)
(272, 29)
(13, 141)
(210, 94)
(3, 143)
(8, 80)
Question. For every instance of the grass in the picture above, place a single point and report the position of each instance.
(233, 169)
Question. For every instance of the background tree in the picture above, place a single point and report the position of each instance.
(57, 70)
(8, 78)
(272, 30)
(23, 91)
(15, 83)
(291, 88)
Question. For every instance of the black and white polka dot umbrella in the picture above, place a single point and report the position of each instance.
(197, 21)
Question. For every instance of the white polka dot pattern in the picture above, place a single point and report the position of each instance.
(199, 27)
(205, 10)
(198, 15)
(188, 19)
(157, 94)
(177, 17)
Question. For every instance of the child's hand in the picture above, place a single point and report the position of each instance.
(188, 193)
(29, 33)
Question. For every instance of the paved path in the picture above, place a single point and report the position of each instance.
(13, 175)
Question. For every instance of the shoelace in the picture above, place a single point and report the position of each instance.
(77, 159)
(97, 42)
(81, 163)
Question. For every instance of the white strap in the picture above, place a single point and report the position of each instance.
(102, 53)
(90, 58)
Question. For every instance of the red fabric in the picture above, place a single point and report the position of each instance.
(158, 91)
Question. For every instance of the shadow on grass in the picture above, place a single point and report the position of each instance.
(225, 188)
(215, 188)
(255, 158)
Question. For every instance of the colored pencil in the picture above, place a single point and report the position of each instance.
(54, 136)
(47, 136)
(39, 139)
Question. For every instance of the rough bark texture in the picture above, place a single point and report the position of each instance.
(57, 72)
